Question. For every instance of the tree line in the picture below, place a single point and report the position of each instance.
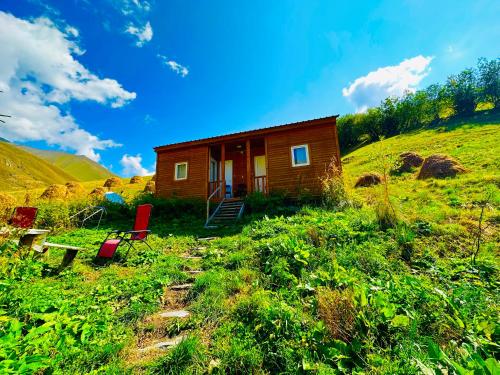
(462, 94)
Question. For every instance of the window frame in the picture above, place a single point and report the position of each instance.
(176, 177)
(308, 162)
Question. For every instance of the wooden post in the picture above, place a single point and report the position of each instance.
(223, 169)
(209, 154)
(249, 168)
(266, 188)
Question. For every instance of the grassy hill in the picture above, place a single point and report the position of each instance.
(78, 166)
(319, 290)
(474, 143)
(20, 169)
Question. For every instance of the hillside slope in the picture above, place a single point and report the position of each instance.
(78, 166)
(20, 169)
(475, 144)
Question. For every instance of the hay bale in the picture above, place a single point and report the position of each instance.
(407, 161)
(440, 166)
(368, 179)
(150, 187)
(98, 192)
(55, 192)
(74, 188)
(153, 178)
(136, 180)
(112, 182)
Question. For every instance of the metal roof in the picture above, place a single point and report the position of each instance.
(247, 133)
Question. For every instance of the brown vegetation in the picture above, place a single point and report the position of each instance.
(7, 203)
(55, 192)
(98, 192)
(336, 308)
(368, 179)
(150, 187)
(440, 166)
(136, 180)
(112, 182)
(75, 188)
(407, 161)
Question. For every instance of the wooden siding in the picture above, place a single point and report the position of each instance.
(323, 146)
(195, 185)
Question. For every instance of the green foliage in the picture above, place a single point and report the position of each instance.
(460, 95)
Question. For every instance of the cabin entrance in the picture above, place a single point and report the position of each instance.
(237, 168)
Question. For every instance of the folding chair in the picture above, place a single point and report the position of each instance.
(23, 217)
(109, 246)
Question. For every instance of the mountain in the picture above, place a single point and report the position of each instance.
(24, 167)
(79, 166)
(20, 169)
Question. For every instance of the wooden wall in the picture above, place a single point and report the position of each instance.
(323, 146)
(196, 183)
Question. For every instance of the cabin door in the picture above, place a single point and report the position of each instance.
(260, 171)
(229, 178)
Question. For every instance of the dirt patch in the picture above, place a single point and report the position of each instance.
(136, 180)
(75, 188)
(368, 179)
(112, 182)
(150, 187)
(407, 162)
(55, 192)
(440, 166)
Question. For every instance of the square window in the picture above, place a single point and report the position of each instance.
(300, 155)
(181, 171)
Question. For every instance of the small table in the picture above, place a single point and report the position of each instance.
(69, 255)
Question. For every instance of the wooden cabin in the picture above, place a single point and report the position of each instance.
(288, 158)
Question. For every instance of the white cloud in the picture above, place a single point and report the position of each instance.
(132, 166)
(175, 66)
(143, 35)
(40, 77)
(370, 90)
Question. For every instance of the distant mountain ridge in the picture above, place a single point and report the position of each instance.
(24, 167)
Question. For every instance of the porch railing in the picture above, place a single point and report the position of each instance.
(215, 190)
(260, 184)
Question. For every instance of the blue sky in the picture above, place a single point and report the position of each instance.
(111, 79)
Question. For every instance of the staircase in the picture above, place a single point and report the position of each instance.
(228, 211)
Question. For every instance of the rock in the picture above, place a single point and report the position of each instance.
(368, 179)
(174, 314)
(164, 344)
(440, 166)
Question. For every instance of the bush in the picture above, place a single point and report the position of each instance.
(335, 195)
(272, 203)
(7, 204)
(172, 208)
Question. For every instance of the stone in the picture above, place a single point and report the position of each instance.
(164, 344)
(174, 314)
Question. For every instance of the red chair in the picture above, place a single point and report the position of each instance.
(23, 217)
(115, 238)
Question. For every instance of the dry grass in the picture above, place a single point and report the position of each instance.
(368, 179)
(150, 187)
(113, 182)
(136, 180)
(55, 192)
(440, 166)
(75, 188)
(7, 204)
(336, 309)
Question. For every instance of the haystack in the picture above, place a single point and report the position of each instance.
(136, 180)
(150, 187)
(440, 166)
(98, 192)
(407, 161)
(153, 178)
(368, 179)
(112, 182)
(75, 188)
(55, 192)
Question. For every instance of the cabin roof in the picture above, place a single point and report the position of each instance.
(248, 133)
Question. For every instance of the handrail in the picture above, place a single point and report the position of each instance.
(208, 200)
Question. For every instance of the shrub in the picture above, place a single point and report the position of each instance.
(274, 202)
(335, 195)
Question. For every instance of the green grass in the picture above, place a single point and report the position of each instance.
(317, 291)
(78, 166)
